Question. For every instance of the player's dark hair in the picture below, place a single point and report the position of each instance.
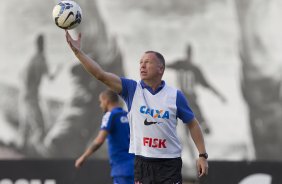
(159, 56)
(112, 96)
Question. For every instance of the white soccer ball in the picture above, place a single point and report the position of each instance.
(67, 14)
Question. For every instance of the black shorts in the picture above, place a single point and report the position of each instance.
(157, 170)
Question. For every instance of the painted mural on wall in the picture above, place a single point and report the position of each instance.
(235, 81)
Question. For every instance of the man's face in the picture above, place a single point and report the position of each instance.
(103, 102)
(150, 67)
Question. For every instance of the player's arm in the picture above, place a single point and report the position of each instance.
(197, 136)
(111, 80)
(96, 144)
(185, 113)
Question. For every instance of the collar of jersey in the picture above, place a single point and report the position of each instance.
(161, 86)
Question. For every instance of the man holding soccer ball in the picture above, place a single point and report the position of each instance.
(153, 109)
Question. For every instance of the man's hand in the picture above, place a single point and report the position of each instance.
(202, 167)
(79, 162)
(75, 45)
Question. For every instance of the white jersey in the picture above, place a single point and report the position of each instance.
(153, 123)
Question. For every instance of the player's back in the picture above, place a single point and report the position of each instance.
(118, 138)
(121, 161)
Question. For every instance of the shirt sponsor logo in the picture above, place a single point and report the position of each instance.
(147, 123)
(154, 142)
(155, 113)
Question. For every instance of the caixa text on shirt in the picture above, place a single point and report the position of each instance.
(25, 181)
(154, 142)
(155, 113)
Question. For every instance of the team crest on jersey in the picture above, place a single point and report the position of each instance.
(155, 113)
(123, 119)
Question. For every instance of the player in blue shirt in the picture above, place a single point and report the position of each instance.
(115, 129)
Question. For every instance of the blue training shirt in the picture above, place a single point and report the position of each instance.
(117, 126)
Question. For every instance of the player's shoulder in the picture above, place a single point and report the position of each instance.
(105, 119)
(174, 92)
(119, 115)
(107, 115)
(118, 111)
(127, 81)
(170, 89)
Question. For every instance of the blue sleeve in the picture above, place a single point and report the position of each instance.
(128, 90)
(107, 122)
(184, 112)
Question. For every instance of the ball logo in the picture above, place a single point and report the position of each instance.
(63, 7)
(25, 181)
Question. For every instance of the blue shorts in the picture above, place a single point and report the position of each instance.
(123, 180)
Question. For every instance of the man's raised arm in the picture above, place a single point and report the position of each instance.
(111, 80)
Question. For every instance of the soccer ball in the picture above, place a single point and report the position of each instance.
(67, 14)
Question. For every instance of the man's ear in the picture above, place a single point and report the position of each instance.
(162, 68)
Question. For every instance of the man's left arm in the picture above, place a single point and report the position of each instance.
(198, 138)
(184, 112)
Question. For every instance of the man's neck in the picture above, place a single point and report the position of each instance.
(112, 106)
(153, 84)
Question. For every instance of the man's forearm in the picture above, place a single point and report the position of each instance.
(91, 149)
(109, 79)
(197, 136)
